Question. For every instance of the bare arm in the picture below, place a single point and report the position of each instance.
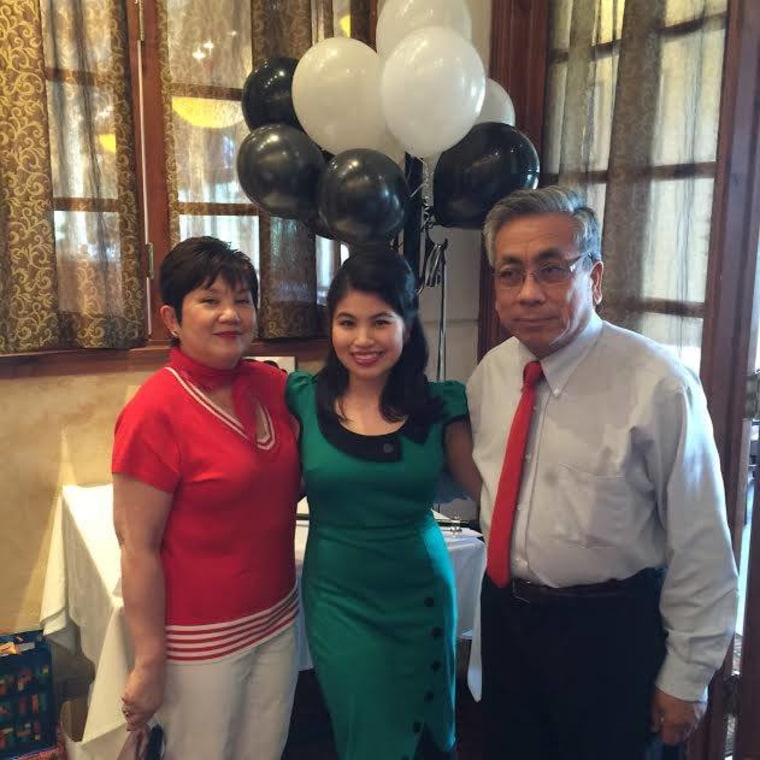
(140, 514)
(459, 458)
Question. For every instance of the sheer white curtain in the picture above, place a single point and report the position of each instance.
(632, 118)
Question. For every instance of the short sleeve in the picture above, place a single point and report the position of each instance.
(454, 398)
(297, 392)
(145, 444)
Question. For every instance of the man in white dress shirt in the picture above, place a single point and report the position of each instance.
(621, 599)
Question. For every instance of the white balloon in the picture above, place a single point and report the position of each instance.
(497, 105)
(400, 17)
(335, 94)
(432, 89)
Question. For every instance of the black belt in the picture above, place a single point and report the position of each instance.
(647, 580)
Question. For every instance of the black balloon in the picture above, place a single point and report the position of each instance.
(362, 197)
(267, 94)
(279, 167)
(489, 162)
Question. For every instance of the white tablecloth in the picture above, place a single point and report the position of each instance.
(83, 586)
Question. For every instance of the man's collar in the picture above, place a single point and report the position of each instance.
(559, 366)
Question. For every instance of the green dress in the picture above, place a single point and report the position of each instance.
(378, 585)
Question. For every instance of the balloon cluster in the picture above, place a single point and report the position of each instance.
(328, 131)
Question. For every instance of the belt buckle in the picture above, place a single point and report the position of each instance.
(516, 593)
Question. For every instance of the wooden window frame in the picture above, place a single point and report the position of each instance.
(142, 21)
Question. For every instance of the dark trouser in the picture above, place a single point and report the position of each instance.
(570, 677)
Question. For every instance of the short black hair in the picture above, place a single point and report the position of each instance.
(198, 261)
(382, 272)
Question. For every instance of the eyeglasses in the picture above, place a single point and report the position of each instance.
(554, 273)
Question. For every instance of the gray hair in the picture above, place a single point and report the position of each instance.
(554, 199)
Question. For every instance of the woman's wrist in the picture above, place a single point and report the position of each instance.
(150, 660)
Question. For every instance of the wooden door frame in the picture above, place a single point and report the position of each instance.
(730, 327)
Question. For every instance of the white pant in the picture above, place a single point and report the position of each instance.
(234, 709)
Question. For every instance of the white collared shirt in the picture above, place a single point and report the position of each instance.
(621, 473)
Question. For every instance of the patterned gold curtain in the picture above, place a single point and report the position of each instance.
(69, 260)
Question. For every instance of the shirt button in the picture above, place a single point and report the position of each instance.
(429, 601)
(417, 727)
(428, 696)
(436, 633)
(387, 448)
(435, 665)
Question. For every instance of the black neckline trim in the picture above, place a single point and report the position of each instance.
(385, 447)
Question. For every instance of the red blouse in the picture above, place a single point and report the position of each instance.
(227, 549)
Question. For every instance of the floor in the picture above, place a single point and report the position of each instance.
(310, 726)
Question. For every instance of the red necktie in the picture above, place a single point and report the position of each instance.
(500, 537)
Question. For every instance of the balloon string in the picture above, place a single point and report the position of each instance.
(417, 190)
(433, 263)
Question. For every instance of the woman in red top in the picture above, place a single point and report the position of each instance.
(206, 479)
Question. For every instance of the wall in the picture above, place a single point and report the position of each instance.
(462, 295)
(55, 430)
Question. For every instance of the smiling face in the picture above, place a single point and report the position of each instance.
(367, 336)
(544, 318)
(217, 324)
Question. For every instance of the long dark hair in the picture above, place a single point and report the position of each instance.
(385, 274)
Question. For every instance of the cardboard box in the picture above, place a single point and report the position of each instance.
(27, 710)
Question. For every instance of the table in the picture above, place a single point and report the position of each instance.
(83, 587)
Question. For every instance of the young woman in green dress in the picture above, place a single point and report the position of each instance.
(378, 585)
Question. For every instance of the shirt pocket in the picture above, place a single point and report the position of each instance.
(593, 510)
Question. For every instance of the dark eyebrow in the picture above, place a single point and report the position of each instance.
(346, 314)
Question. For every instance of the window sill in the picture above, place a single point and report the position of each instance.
(145, 359)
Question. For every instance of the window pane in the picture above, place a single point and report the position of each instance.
(205, 155)
(609, 20)
(675, 255)
(83, 156)
(89, 276)
(681, 335)
(579, 121)
(73, 36)
(555, 108)
(342, 18)
(599, 126)
(596, 194)
(241, 232)
(678, 11)
(689, 102)
(209, 42)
